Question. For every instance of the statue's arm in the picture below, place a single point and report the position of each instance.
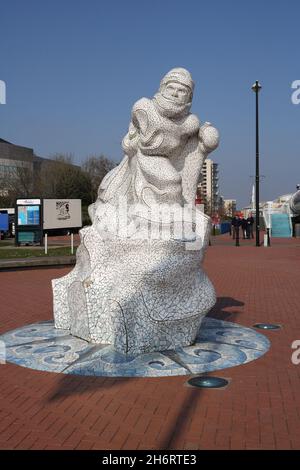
(196, 150)
(138, 126)
(194, 157)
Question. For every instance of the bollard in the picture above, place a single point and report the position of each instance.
(46, 243)
(269, 238)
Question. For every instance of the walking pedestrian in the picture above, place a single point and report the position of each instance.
(244, 225)
(250, 223)
(235, 223)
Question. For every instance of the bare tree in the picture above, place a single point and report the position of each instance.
(54, 178)
(97, 167)
(17, 182)
(24, 179)
(60, 178)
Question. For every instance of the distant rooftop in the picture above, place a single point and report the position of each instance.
(19, 152)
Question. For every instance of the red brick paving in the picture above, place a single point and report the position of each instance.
(260, 409)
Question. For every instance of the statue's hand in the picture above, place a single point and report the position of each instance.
(130, 141)
(209, 137)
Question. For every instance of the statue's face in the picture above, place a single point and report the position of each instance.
(177, 92)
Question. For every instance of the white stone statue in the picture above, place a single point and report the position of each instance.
(138, 282)
(164, 148)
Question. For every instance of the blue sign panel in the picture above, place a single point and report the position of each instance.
(28, 215)
(4, 223)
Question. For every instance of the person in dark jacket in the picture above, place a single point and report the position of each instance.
(235, 224)
(244, 225)
(250, 223)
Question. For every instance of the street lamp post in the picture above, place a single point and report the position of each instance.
(256, 88)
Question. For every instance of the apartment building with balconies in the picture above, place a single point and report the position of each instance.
(209, 186)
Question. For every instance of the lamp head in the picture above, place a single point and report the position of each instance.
(256, 87)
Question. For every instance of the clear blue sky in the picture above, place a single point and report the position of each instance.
(74, 68)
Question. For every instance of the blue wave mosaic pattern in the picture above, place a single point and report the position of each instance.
(219, 345)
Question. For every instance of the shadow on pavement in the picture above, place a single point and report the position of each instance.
(222, 303)
(79, 384)
(178, 425)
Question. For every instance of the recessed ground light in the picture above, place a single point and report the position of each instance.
(267, 326)
(208, 382)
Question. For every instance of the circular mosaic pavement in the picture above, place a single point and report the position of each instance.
(219, 345)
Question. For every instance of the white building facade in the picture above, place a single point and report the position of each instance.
(209, 186)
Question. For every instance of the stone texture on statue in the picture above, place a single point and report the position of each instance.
(138, 282)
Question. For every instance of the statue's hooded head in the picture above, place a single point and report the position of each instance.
(174, 98)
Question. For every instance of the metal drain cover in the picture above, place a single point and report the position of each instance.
(208, 382)
(267, 326)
